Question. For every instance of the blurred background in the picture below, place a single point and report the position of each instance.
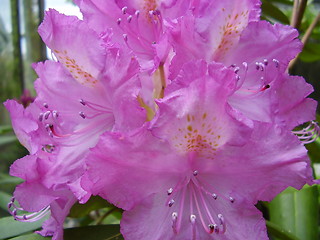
(292, 215)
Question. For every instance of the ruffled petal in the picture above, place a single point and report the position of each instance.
(23, 124)
(137, 165)
(67, 37)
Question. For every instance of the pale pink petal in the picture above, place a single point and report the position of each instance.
(23, 123)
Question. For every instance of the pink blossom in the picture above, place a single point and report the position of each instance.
(137, 25)
(90, 90)
(195, 172)
(257, 51)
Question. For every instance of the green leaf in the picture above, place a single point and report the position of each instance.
(276, 231)
(10, 228)
(7, 179)
(271, 11)
(310, 53)
(4, 200)
(297, 212)
(99, 232)
(7, 139)
(5, 129)
(81, 210)
(32, 236)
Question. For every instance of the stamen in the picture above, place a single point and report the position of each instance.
(124, 10)
(46, 115)
(170, 190)
(119, 21)
(211, 228)
(232, 200)
(308, 134)
(171, 202)
(193, 218)
(82, 115)
(223, 226)
(40, 117)
(55, 114)
(276, 62)
(195, 173)
(45, 105)
(215, 196)
(257, 66)
(129, 18)
(174, 217)
(32, 217)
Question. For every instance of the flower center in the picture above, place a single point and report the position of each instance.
(201, 134)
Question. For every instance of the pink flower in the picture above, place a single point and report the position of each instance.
(91, 89)
(195, 172)
(138, 26)
(229, 32)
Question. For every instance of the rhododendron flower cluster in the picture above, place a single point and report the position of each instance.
(179, 112)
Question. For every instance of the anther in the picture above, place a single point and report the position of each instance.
(236, 70)
(195, 173)
(265, 61)
(55, 114)
(257, 65)
(170, 190)
(215, 196)
(45, 105)
(222, 223)
(119, 21)
(82, 102)
(231, 199)
(124, 10)
(137, 13)
(40, 117)
(48, 127)
(125, 37)
(174, 216)
(171, 202)
(129, 18)
(46, 114)
(82, 115)
(211, 228)
(262, 66)
(276, 62)
(245, 65)
(193, 218)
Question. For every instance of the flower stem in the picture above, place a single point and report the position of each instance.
(299, 7)
(305, 38)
